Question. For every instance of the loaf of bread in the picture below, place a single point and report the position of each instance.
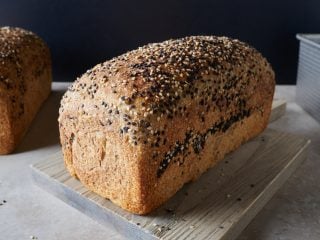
(136, 128)
(25, 82)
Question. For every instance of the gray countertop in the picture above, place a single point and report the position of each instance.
(293, 213)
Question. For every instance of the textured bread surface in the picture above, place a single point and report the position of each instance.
(136, 128)
(25, 82)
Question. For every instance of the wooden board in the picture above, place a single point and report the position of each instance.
(278, 109)
(217, 206)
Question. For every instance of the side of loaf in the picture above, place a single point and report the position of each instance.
(136, 128)
(25, 82)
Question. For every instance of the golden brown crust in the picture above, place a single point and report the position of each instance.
(136, 128)
(25, 82)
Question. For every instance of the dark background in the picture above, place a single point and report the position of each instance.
(84, 33)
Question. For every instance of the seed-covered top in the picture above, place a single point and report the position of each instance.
(13, 43)
(143, 89)
(12, 39)
(159, 74)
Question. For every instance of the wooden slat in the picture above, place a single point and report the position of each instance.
(217, 206)
(278, 109)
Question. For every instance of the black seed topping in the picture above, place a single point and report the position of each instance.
(198, 140)
(125, 129)
(198, 143)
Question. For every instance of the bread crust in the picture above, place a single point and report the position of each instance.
(136, 128)
(25, 82)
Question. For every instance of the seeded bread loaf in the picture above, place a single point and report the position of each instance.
(136, 128)
(25, 82)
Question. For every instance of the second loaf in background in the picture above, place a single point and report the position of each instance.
(136, 128)
(25, 83)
